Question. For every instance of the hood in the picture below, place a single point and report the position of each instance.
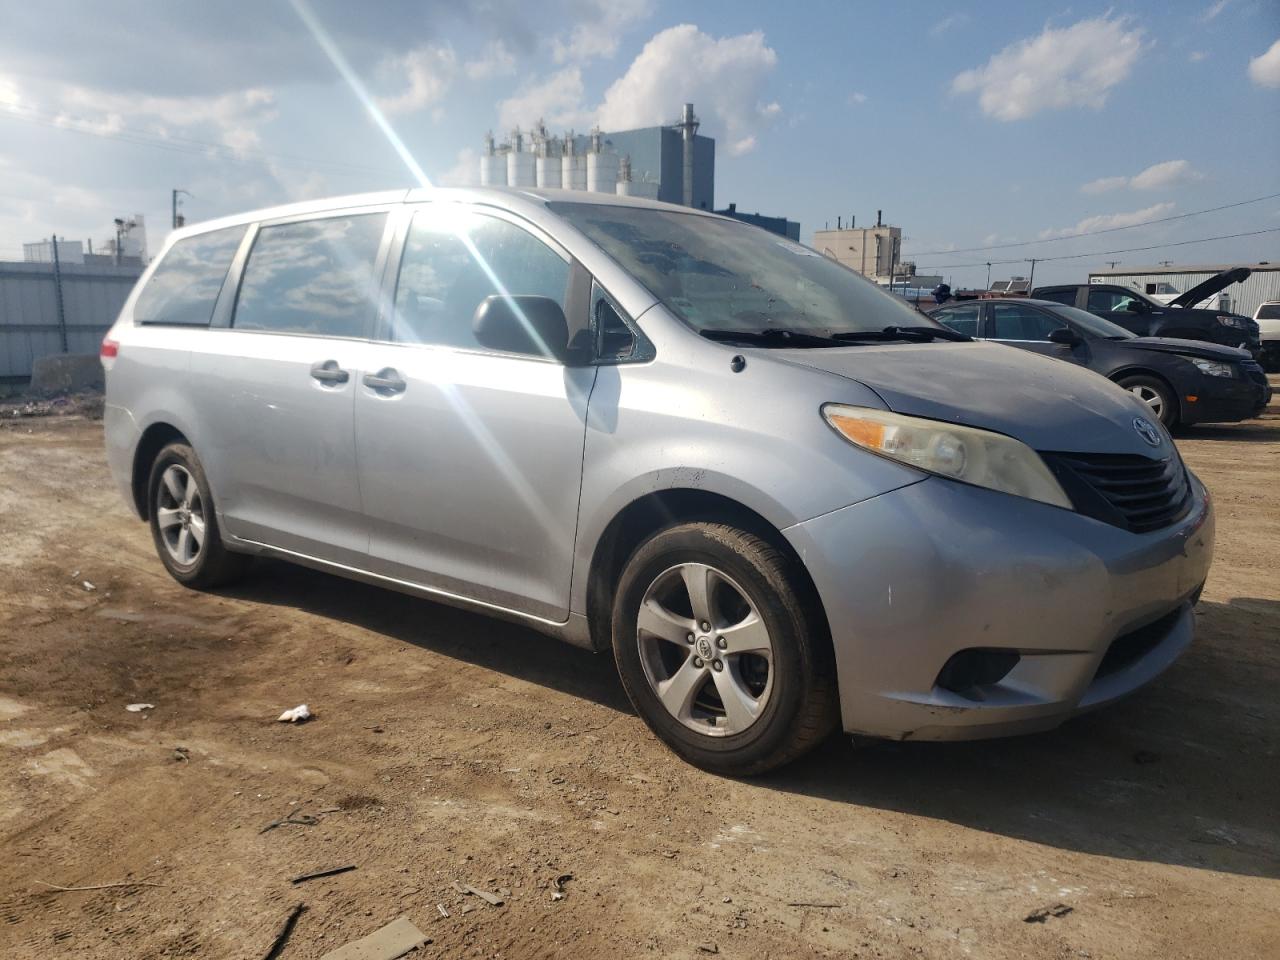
(1202, 291)
(1193, 348)
(1048, 404)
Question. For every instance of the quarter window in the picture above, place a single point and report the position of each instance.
(312, 277)
(1016, 322)
(185, 285)
(453, 261)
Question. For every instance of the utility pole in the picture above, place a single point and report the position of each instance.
(1031, 282)
(1166, 263)
(178, 219)
(1112, 263)
(57, 286)
(988, 274)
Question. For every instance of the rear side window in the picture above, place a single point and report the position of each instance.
(313, 277)
(1269, 311)
(452, 262)
(961, 319)
(185, 285)
(1067, 297)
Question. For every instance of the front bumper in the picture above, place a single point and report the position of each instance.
(1227, 400)
(912, 577)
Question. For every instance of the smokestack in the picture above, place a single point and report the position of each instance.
(837, 223)
(878, 221)
(688, 127)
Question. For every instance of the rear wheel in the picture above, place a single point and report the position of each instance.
(184, 524)
(719, 652)
(1157, 396)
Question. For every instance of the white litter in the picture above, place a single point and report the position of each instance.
(296, 715)
(89, 586)
(139, 707)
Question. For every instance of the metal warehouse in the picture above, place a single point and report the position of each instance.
(1262, 285)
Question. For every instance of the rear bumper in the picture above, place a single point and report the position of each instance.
(121, 435)
(913, 577)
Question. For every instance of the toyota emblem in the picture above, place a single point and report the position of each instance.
(1147, 431)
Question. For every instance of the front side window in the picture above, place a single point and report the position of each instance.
(1016, 322)
(312, 277)
(961, 319)
(721, 275)
(453, 260)
(185, 285)
(1115, 301)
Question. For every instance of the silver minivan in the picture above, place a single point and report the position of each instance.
(783, 498)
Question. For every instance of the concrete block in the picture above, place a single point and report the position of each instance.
(61, 373)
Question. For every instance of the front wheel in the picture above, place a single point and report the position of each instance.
(720, 650)
(1157, 396)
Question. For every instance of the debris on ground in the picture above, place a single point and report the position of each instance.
(295, 817)
(284, 931)
(298, 714)
(139, 707)
(331, 871)
(443, 912)
(394, 940)
(806, 903)
(708, 948)
(490, 898)
(180, 755)
(99, 886)
(1044, 913)
(88, 586)
(558, 893)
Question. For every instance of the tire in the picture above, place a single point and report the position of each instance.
(184, 523)
(1152, 391)
(775, 706)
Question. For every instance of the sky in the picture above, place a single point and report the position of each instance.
(1002, 125)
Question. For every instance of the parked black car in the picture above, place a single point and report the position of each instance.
(1181, 381)
(1140, 314)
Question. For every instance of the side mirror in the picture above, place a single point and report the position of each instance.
(522, 324)
(1065, 336)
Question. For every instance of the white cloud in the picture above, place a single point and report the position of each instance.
(1162, 176)
(738, 147)
(723, 77)
(557, 100)
(600, 26)
(1106, 221)
(1195, 56)
(946, 23)
(1061, 67)
(425, 73)
(465, 171)
(856, 98)
(235, 117)
(1213, 10)
(1264, 70)
(1158, 176)
(494, 61)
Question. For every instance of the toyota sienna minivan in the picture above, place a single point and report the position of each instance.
(784, 499)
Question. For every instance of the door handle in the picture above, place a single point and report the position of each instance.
(328, 371)
(386, 380)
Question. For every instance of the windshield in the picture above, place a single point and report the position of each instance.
(1093, 324)
(720, 275)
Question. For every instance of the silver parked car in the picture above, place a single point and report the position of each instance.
(782, 497)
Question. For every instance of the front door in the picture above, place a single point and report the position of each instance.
(1021, 325)
(470, 460)
(275, 390)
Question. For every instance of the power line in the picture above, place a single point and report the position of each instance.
(1093, 233)
(181, 144)
(1101, 253)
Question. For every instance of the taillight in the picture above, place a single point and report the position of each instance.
(109, 349)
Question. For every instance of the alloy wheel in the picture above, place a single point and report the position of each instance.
(180, 514)
(1149, 396)
(706, 651)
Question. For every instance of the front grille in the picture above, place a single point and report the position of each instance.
(1137, 493)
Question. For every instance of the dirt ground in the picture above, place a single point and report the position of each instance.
(451, 747)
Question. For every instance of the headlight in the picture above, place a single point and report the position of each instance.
(979, 457)
(1237, 322)
(1212, 368)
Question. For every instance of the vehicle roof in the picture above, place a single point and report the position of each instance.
(510, 198)
(1015, 300)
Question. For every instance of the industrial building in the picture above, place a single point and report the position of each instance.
(1263, 283)
(127, 247)
(672, 163)
(875, 252)
(779, 225)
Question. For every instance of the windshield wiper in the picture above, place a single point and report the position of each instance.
(772, 336)
(931, 333)
(913, 334)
